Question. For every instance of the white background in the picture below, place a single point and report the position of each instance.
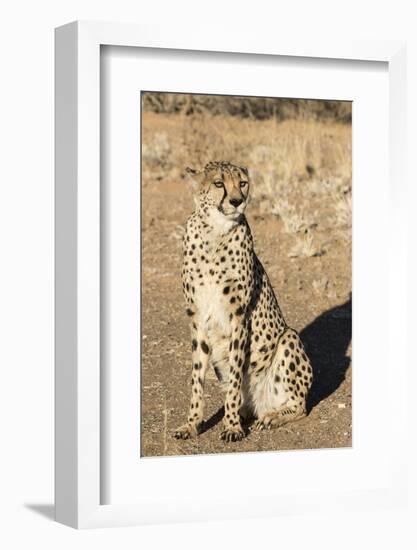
(26, 275)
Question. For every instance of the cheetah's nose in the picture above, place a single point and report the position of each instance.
(235, 202)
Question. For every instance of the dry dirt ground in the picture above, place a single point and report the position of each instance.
(301, 228)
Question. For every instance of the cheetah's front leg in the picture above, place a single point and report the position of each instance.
(232, 430)
(200, 362)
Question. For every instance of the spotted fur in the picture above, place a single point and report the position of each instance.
(236, 323)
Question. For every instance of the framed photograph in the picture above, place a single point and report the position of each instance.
(227, 212)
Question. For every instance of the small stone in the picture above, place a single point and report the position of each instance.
(341, 406)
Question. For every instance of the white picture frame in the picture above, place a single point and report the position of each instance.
(78, 406)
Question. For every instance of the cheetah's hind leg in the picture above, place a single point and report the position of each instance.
(290, 380)
(278, 417)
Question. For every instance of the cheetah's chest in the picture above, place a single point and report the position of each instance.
(214, 317)
(211, 310)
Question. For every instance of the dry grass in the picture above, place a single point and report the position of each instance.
(305, 247)
(293, 221)
(300, 169)
(276, 153)
(343, 210)
(259, 108)
(320, 285)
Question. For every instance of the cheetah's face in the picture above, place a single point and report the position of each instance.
(224, 187)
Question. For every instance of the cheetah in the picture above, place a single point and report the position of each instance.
(236, 324)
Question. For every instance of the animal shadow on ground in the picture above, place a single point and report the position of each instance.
(212, 421)
(326, 341)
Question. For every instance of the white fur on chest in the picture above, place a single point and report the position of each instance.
(211, 309)
(209, 298)
(214, 319)
(220, 223)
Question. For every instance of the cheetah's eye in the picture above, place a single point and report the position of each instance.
(218, 183)
(243, 183)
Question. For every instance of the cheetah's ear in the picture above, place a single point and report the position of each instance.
(191, 170)
(195, 176)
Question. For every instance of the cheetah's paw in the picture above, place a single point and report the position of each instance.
(232, 434)
(185, 432)
(265, 423)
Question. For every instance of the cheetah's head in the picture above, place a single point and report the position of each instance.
(222, 186)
